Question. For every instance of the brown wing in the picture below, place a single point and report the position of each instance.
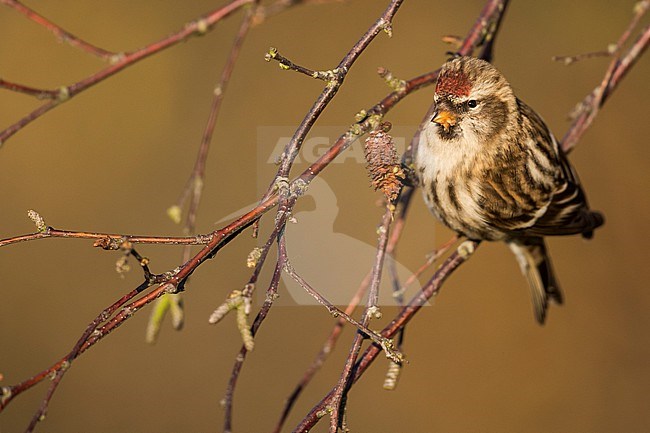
(568, 211)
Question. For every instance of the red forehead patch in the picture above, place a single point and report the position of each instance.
(453, 83)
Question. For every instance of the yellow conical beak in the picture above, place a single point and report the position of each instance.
(446, 119)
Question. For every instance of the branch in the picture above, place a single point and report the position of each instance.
(265, 12)
(197, 27)
(271, 295)
(383, 23)
(332, 339)
(194, 185)
(618, 68)
(429, 290)
(335, 311)
(107, 241)
(31, 91)
(60, 33)
(337, 404)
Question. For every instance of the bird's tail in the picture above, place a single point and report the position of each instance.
(536, 266)
(595, 219)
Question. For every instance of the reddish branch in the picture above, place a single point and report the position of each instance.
(195, 183)
(337, 403)
(197, 27)
(109, 241)
(429, 290)
(279, 6)
(58, 31)
(383, 23)
(20, 88)
(271, 294)
(618, 68)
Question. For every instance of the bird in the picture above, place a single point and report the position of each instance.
(490, 169)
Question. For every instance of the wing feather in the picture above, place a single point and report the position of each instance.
(568, 211)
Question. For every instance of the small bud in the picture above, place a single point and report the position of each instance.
(174, 213)
(201, 27)
(360, 116)
(63, 94)
(271, 54)
(122, 265)
(392, 375)
(41, 227)
(253, 257)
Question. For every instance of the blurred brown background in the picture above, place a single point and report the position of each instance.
(115, 157)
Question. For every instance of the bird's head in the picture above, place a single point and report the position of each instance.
(471, 96)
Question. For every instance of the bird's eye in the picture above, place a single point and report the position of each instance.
(472, 103)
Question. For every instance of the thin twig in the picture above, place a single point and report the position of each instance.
(279, 6)
(195, 182)
(271, 295)
(20, 88)
(323, 354)
(337, 403)
(405, 315)
(337, 312)
(59, 32)
(288, 65)
(431, 258)
(331, 340)
(640, 8)
(111, 241)
(197, 27)
(618, 68)
(283, 215)
(569, 60)
(383, 23)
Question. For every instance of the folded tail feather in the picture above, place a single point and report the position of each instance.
(538, 270)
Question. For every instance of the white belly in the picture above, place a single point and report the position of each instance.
(446, 166)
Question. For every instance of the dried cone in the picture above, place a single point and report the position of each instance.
(385, 171)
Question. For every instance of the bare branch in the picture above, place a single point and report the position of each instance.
(337, 403)
(60, 33)
(265, 12)
(107, 241)
(20, 88)
(429, 290)
(618, 68)
(383, 23)
(197, 27)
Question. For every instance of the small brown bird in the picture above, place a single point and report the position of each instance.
(490, 169)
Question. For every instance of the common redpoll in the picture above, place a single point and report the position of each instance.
(490, 169)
